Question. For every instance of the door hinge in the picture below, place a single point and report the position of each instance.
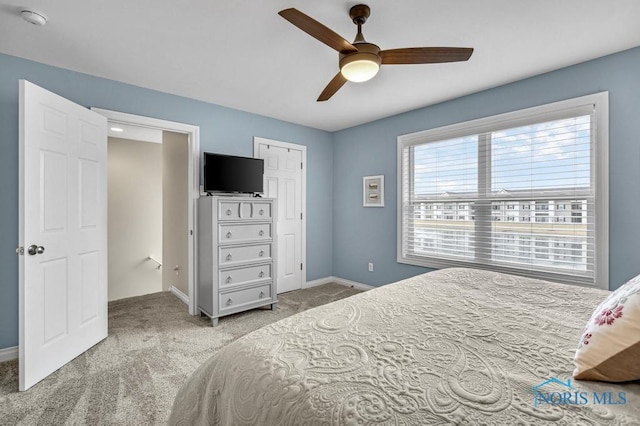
(300, 216)
(300, 166)
(190, 231)
(20, 251)
(301, 266)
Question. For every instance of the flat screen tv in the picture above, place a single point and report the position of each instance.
(228, 173)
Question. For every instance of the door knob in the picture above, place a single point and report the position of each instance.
(34, 249)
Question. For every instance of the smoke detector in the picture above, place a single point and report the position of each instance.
(33, 17)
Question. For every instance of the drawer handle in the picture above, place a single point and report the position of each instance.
(229, 257)
(261, 233)
(229, 234)
(261, 253)
(229, 302)
(261, 274)
(229, 212)
(261, 212)
(228, 280)
(261, 295)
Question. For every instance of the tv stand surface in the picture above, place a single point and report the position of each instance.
(234, 194)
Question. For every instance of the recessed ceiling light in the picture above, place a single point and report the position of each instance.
(33, 17)
(116, 129)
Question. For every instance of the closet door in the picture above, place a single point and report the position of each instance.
(283, 180)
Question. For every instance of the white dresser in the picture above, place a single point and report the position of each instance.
(236, 251)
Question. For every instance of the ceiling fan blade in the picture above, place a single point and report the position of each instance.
(425, 55)
(317, 30)
(334, 85)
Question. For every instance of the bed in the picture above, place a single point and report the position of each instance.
(455, 346)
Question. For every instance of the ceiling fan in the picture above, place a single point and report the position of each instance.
(359, 61)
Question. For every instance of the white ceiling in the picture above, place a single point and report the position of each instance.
(241, 54)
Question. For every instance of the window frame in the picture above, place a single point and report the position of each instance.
(536, 114)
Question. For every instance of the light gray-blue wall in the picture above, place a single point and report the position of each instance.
(222, 130)
(362, 235)
(342, 235)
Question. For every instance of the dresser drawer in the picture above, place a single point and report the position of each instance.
(261, 210)
(235, 210)
(248, 274)
(236, 299)
(229, 256)
(238, 232)
(230, 210)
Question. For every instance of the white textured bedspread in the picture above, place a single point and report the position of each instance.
(455, 346)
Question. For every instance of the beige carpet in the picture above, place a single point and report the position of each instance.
(133, 376)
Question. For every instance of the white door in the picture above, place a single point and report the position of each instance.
(283, 180)
(63, 231)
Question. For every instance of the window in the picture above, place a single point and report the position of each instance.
(543, 159)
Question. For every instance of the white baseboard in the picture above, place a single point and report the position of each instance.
(7, 354)
(337, 280)
(321, 281)
(354, 284)
(180, 295)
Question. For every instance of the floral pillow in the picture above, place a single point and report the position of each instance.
(609, 349)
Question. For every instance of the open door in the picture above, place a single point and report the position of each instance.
(62, 232)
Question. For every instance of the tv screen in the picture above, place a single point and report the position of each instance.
(228, 173)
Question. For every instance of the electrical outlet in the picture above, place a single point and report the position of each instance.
(370, 266)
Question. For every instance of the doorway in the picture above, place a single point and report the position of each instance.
(147, 212)
(63, 226)
(118, 119)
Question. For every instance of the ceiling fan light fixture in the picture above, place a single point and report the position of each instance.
(360, 60)
(360, 67)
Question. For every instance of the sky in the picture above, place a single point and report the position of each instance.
(554, 154)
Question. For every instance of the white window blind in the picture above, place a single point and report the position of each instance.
(517, 193)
